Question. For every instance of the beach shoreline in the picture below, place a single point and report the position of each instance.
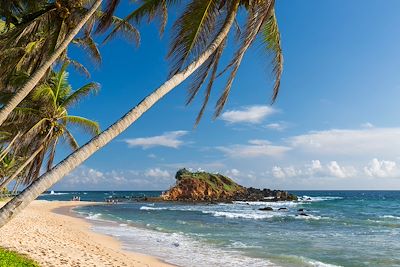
(50, 233)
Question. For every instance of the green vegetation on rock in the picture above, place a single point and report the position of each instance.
(214, 180)
(13, 259)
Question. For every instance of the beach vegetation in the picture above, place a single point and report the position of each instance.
(214, 180)
(12, 259)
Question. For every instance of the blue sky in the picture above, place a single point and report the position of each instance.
(335, 124)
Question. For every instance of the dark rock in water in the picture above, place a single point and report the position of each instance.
(176, 244)
(303, 214)
(266, 209)
(300, 210)
(283, 209)
(214, 187)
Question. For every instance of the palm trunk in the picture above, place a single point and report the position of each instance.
(38, 74)
(4, 153)
(75, 159)
(20, 169)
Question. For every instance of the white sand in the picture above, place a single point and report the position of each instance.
(59, 240)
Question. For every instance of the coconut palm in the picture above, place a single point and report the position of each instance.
(205, 42)
(43, 117)
(45, 63)
(45, 35)
(35, 32)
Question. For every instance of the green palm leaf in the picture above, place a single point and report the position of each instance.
(192, 32)
(90, 126)
(44, 92)
(272, 39)
(148, 9)
(80, 93)
(70, 140)
(90, 46)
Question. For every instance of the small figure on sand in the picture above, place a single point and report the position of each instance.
(76, 198)
(111, 201)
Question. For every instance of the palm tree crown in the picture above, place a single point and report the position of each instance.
(196, 27)
(43, 120)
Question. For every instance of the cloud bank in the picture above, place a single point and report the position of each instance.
(167, 139)
(251, 114)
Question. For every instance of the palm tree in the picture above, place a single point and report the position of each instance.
(261, 19)
(40, 71)
(34, 33)
(45, 121)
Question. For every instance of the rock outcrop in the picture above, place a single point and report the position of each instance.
(208, 187)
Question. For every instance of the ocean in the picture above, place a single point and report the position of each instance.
(343, 228)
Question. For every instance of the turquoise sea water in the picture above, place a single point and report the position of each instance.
(344, 228)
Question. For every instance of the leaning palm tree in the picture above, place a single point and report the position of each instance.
(41, 70)
(209, 33)
(45, 121)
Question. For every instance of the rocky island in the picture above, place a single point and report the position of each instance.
(210, 187)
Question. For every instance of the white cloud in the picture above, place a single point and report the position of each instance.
(336, 170)
(364, 142)
(255, 148)
(251, 114)
(381, 169)
(342, 144)
(86, 178)
(168, 139)
(157, 173)
(233, 172)
(277, 172)
(276, 126)
(315, 169)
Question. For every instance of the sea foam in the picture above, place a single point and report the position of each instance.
(179, 249)
(390, 217)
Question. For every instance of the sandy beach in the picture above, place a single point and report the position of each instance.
(54, 239)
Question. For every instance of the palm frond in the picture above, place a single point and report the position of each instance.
(43, 91)
(90, 46)
(90, 126)
(78, 67)
(126, 29)
(199, 79)
(148, 9)
(192, 32)
(217, 58)
(253, 25)
(52, 153)
(272, 39)
(70, 140)
(106, 19)
(80, 93)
